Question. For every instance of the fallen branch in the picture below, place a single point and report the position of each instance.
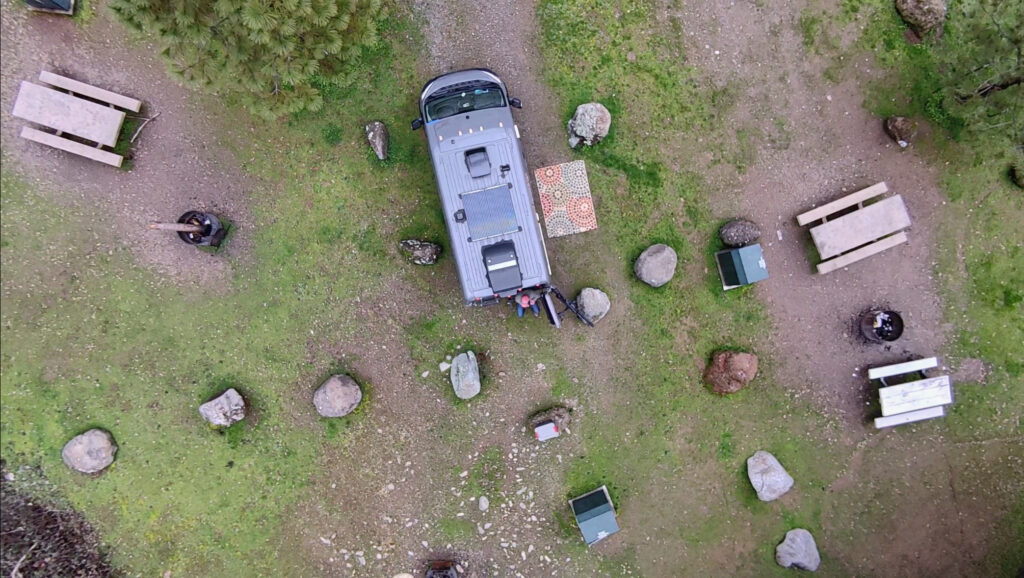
(179, 227)
(16, 572)
(141, 126)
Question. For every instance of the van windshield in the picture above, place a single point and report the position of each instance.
(463, 97)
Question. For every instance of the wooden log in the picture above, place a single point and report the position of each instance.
(179, 227)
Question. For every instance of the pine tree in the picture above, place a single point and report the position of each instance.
(269, 55)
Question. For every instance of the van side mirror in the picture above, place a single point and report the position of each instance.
(515, 102)
(417, 124)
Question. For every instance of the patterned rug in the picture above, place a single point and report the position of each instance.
(565, 199)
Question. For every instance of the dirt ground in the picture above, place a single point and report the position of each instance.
(376, 521)
(832, 147)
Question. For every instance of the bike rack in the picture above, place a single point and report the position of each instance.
(555, 317)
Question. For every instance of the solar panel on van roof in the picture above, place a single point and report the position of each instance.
(489, 212)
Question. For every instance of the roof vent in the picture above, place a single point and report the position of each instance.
(478, 163)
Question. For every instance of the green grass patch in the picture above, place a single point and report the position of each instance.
(487, 474)
(91, 339)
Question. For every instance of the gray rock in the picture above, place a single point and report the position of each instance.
(798, 550)
(466, 375)
(484, 503)
(922, 15)
(90, 452)
(377, 136)
(730, 371)
(739, 233)
(420, 252)
(593, 304)
(225, 409)
(900, 129)
(338, 396)
(656, 265)
(589, 125)
(768, 477)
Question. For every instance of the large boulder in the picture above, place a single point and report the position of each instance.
(466, 375)
(589, 125)
(338, 396)
(225, 409)
(768, 477)
(900, 129)
(377, 136)
(593, 304)
(798, 550)
(739, 233)
(90, 452)
(730, 371)
(922, 15)
(656, 265)
(420, 252)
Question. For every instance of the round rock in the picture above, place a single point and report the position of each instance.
(589, 125)
(922, 15)
(770, 480)
(656, 265)
(484, 503)
(90, 452)
(338, 396)
(739, 233)
(900, 129)
(420, 252)
(798, 550)
(730, 371)
(225, 409)
(593, 304)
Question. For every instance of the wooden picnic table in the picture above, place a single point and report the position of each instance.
(860, 227)
(868, 230)
(69, 114)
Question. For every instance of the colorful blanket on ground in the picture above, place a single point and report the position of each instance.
(565, 199)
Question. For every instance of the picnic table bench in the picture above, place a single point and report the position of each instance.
(911, 401)
(852, 236)
(69, 113)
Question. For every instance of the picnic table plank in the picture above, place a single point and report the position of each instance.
(842, 203)
(910, 417)
(860, 227)
(915, 395)
(862, 253)
(91, 91)
(71, 146)
(901, 368)
(66, 113)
